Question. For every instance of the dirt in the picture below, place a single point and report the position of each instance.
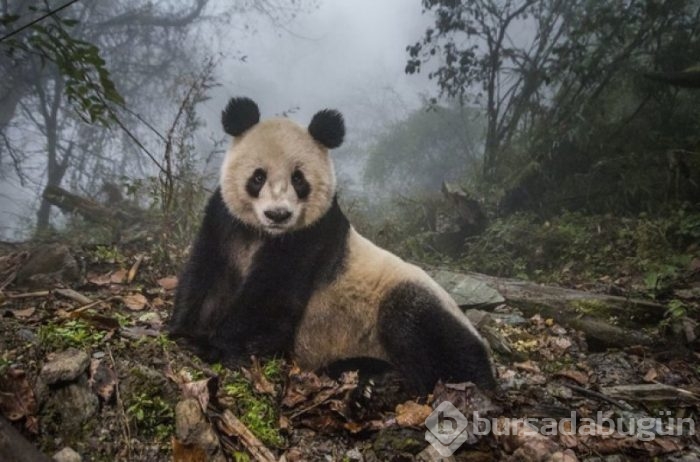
(120, 403)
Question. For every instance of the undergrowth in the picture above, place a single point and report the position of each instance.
(574, 246)
(258, 411)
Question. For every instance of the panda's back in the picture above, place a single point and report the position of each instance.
(347, 309)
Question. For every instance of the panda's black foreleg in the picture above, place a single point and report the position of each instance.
(427, 343)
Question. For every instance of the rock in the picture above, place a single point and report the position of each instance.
(74, 404)
(48, 262)
(67, 454)
(64, 367)
(466, 290)
(192, 428)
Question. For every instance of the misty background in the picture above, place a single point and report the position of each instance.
(463, 118)
(292, 58)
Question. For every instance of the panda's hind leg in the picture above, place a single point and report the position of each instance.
(427, 343)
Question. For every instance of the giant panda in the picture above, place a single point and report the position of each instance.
(277, 269)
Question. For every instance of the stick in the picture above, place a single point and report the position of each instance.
(230, 425)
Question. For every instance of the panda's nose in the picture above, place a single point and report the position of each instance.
(279, 215)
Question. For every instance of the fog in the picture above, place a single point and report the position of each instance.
(347, 55)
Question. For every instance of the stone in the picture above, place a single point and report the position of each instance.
(74, 403)
(67, 454)
(64, 367)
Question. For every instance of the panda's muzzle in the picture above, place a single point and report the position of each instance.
(278, 215)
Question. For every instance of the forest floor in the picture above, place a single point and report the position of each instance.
(85, 364)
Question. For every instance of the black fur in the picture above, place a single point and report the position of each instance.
(426, 343)
(255, 182)
(257, 315)
(328, 128)
(239, 115)
(301, 185)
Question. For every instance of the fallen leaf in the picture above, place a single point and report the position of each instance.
(201, 390)
(118, 277)
(577, 376)
(17, 398)
(103, 380)
(23, 314)
(135, 302)
(559, 344)
(134, 269)
(651, 375)
(99, 279)
(527, 366)
(257, 377)
(188, 452)
(138, 332)
(412, 414)
(168, 283)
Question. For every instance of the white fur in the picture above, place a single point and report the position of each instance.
(278, 146)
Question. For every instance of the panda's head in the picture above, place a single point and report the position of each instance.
(277, 176)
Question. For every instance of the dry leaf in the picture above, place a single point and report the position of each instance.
(201, 390)
(17, 398)
(577, 376)
(168, 283)
(135, 302)
(99, 279)
(527, 366)
(118, 277)
(412, 414)
(651, 375)
(24, 313)
(134, 269)
(188, 453)
(103, 380)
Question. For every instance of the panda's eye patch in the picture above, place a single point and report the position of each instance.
(256, 182)
(300, 185)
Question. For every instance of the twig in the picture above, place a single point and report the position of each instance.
(41, 293)
(73, 295)
(120, 404)
(82, 308)
(230, 425)
(594, 394)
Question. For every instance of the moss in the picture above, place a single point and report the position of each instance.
(75, 333)
(596, 308)
(258, 411)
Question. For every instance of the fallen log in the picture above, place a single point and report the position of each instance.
(89, 209)
(586, 311)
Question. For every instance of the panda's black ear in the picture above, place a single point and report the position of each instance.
(240, 114)
(327, 127)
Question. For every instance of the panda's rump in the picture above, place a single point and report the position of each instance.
(340, 320)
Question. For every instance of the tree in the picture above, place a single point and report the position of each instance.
(431, 145)
(550, 74)
(150, 49)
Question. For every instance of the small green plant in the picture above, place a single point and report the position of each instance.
(153, 415)
(239, 456)
(4, 363)
(75, 333)
(256, 410)
(273, 369)
(107, 254)
(676, 310)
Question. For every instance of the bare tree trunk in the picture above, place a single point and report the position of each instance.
(55, 168)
